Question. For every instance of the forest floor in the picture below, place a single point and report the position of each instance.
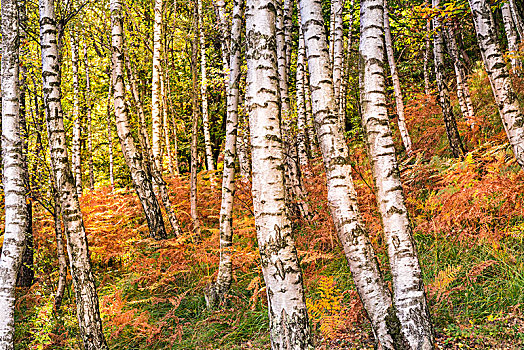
(468, 220)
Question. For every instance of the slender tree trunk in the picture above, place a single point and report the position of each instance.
(172, 110)
(26, 274)
(193, 192)
(342, 101)
(110, 135)
(295, 193)
(517, 19)
(455, 141)
(427, 53)
(156, 98)
(244, 160)
(408, 288)
(16, 215)
(288, 320)
(60, 252)
(90, 324)
(302, 137)
(511, 34)
(225, 272)
(203, 89)
(342, 197)
(498, 74)
(463, 93)
(166, 121)
(76, 157)
(337, 7)
(89, 124)
(149, 164)
(399, 102)
(132, 156)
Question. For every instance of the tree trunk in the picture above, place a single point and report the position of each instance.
(156, 98)
(302, 137)
(455, 142)
(511, 34)
(132, 156)
(517, 19)
(149, 164)
(16, 215)
(288, 320)
(166, 121)
(89, 124)
(225, 272)
(193, 191)
(427, 52)
(90, 324)
(244, 160)
(60, 251)
(110, 135)
(337, 7)
(399, 102)
(203, 89)
(408, 288)
(463, 93)
(76, 157)
(342, 101)
(342, 197)
(499, 77)
(27, 273)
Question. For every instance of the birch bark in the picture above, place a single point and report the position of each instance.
(16, 214)
(90, 324)
(132, 156)
(517, 19)
(337, 7)
(110, 134)
(342, 197)
(498, 74)
(511, 33)
(427, 52)
(399, 102)
(408, 288)
(289, 326)
(455, 141)
(156, 98)
(302, 137)
(89, 123)
(76, 151)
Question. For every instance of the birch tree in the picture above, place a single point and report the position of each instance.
(454, 139)
(16, 214)
(342, 197)
(90, 324)
(76, 151)
(408, 288)
(337, 7)
(399, 102)
(427, 52)
(511, 34)
(517, 18)
(203, 89)
(132, 156)
(302, 137)
(498, 74)
(289, 326)
(89, 121)
(156, 98)
(110, 134)
(225, 272)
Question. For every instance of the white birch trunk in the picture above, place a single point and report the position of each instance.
(455, 142)
(203, 89)
(156, 98)
(89, 124)
(342, 196)
(76, 151)
(90, 324)
(110, 135)
(302, 137)
(399, 102)
(427, 52)
(193, 190)
(244, 160)
(16, 214)
(499, 77)
(165, 121)
(337, 7)
(225, 272)
(517, 19)
(133, 158)
(408, 288)
(511, 34)
(289, 326)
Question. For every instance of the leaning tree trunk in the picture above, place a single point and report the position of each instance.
(132, 156)
(288, 320)
(89, 124)
(342, 197)
(90, 323)
(203, 89)
(511, 34)
(498, 74)
(156, 98)
(399, 102)
(193, 191)
(76, 156)
(225, 272)
(455, 142)
(408, 288)
(16, 215)
(463, 93)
